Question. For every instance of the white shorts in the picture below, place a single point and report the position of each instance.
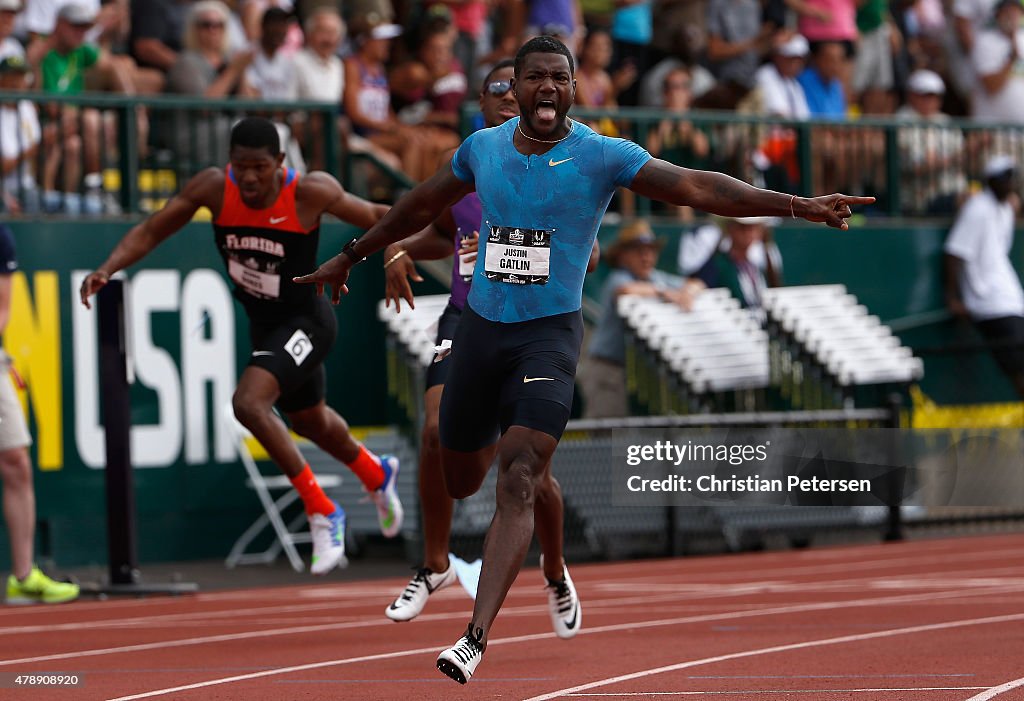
(13, 428)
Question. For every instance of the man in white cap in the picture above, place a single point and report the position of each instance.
(781, 94)
(931, 150)
(981, 282)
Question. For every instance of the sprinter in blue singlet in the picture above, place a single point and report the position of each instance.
(544, 182)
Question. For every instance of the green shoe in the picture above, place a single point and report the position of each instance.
(37, 588)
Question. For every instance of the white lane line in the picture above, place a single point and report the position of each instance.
(626, 694)
(779, 648)
(524, 610)
(780, 564)
(540, 636)
(997, 690)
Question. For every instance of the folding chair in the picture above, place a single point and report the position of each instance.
(286, 535)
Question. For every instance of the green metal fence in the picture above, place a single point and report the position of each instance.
(142, 149)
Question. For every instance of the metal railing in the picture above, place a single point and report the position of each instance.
(110, 154)
(142, 149)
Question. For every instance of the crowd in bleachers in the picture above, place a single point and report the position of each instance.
(401, 69)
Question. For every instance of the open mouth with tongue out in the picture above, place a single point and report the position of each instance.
(546, 112)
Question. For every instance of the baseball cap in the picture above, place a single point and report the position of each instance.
(386, 31)
(925, 82)
(10, 5)
(77, 14)
(999, 165)
(796, 46)
(13, 64)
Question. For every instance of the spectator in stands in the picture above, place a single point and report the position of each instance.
(109, 30)
(970, 18)
(679, 29)
(368, 99)
(19, 140)
(321, 78)
(252, 14)
(63, 68)
(26, 583)
(633, 258)
(998, 59)
(828, 21)
(697, 247)
(677, 139)
(873, 70)
(632, 31)
(473, 40)
(931, 149)
(737, 42)
(735, 265)
(822, 80)
(653, 81)
(157, 28)
(559, 18)
(782, 95)
(428, 90)
(9, 46)
(981, 283)
(272, 75)
(205, 66)
(594, 86)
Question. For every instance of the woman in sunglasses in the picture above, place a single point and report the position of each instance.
(206, 67)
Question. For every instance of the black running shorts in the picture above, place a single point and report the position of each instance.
(502, 375)
(293, 351)
(437, 372)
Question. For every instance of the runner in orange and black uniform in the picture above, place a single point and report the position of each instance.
(262, 249)
(267, 224)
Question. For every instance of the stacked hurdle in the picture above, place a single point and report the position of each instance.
(828, 352)
(818, 348)
(711, 358)
(410, 349)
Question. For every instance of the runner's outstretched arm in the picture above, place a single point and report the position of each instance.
(148, 234)
(332, 198)
(721, 194)
(411, 213)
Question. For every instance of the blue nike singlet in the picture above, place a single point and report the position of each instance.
(540, 216)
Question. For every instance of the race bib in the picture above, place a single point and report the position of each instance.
(518, 256)
(299, 346)
(256, 283)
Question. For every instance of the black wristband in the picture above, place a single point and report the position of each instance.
(350, 250)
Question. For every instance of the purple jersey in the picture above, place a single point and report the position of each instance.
(467, 213)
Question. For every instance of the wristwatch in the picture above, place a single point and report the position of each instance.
(350, 250)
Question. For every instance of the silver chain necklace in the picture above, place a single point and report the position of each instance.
(519, 126)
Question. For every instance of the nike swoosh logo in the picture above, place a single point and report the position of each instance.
(535, 379)
(262, 353)
(575, 614)
(278, 220)
(552, 162)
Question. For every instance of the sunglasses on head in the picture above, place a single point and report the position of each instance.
(499, 87)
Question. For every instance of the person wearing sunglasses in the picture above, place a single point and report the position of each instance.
(544, 183)
(206, 66)
(456, 231)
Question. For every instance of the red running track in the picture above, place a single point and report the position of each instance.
(939, 620)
